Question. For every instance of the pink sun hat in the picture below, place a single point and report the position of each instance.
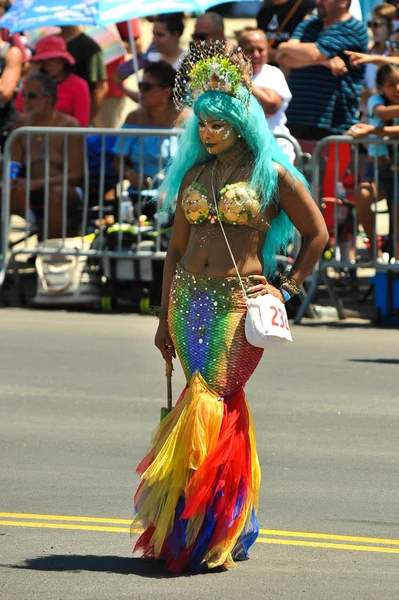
(52, 46)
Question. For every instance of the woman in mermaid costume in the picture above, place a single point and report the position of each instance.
(198, 495)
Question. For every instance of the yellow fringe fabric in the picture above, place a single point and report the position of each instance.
(194, 426)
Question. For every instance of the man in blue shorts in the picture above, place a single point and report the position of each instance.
(325, 87)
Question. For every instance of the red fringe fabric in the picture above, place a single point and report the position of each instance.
(224, 479)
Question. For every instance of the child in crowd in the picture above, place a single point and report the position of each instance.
(382, 109)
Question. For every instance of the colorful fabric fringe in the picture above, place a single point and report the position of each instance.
(199, 491)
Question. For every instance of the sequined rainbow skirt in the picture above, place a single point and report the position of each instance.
(198, 495)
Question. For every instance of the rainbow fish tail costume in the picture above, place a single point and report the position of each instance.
(199, 483)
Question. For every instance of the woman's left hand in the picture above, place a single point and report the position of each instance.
(262, 287)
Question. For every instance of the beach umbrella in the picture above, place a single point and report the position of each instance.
(30, 14)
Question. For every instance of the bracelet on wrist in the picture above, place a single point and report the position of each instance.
(161, 312)
(290, 286)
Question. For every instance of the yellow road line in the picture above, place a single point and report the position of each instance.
(329, 536)
(80, 519)
(63, 518)
(302, 543)
(328, 545)
(67, 526)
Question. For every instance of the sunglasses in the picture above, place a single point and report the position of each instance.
(375, 24)
(392, 45)
(146, 86)
(199, 37)
(31, 95)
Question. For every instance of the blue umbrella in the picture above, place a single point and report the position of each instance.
(30, 14)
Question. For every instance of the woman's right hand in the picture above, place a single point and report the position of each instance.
(361, 130)
(164, 343)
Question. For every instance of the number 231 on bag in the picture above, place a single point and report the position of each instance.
(266, 323)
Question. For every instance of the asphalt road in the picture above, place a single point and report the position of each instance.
(79, 397)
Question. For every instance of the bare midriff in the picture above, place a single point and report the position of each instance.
(207, 252)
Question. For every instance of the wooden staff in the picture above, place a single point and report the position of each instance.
(165, 410)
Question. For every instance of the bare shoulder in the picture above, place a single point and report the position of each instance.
(282, 171)
(286, 180)
(21, 122)
(64, 120)
(136, 117)
(14, 54)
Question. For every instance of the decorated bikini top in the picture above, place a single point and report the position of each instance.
(238, 204)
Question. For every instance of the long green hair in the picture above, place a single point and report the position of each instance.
(249, 121)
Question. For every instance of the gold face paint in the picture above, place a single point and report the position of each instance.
(216, 135)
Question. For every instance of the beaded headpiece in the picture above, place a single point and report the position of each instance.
(216, 66)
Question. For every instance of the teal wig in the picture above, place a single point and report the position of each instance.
(249, 121)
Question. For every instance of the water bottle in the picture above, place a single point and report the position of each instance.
(126, 210)
(164, 149)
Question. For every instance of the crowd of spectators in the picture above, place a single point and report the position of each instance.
(316, 72)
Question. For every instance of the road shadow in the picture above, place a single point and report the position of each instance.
(76, 563)
(379, 361)
(366, 522)
(336, 324)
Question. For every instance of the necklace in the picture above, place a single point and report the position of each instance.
(226, 163)
(218, 184)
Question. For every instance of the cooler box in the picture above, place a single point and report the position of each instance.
(386, 291)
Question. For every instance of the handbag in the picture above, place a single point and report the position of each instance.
(266, 321)
(67, 279)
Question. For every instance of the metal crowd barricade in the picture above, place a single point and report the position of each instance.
(345, 254)
(48, 134)
(299, 155)
(284, 262)
(142, 253)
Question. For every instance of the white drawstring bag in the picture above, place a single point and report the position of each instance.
(266, 321)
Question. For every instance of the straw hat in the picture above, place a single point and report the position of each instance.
(384, 10)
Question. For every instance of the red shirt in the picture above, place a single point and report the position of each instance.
(73, 99)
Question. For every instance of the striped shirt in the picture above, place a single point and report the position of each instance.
(319, 98)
